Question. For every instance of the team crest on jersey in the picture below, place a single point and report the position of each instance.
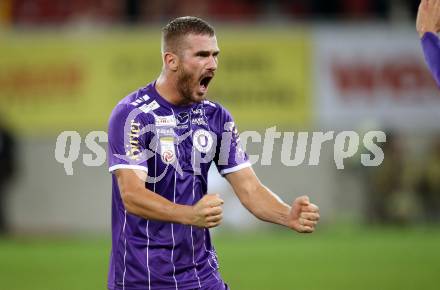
(202, 140)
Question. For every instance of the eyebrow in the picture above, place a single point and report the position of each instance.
(207, 53)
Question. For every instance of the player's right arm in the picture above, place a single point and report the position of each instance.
(140, 201)
(428, 24)
(129, 134)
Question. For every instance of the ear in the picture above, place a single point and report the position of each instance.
(171, 61)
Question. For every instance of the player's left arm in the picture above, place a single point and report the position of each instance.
(302, 216)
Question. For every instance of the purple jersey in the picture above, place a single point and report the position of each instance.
(175, 145)
(431, 50)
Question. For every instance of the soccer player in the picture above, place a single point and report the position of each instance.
(427, 25)
(162, 141)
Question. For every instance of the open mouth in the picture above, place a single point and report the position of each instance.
(204, 83)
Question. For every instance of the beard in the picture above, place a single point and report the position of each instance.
(185, 86)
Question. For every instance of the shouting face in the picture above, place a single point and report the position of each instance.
(197, 66)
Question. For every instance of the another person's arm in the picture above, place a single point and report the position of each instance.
(302, 216)
(431, 50)
(428, 24)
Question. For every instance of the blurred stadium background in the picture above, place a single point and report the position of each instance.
(295, 64)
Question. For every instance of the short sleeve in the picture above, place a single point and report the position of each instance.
(230, 154)
(431, 49)
(128, 138)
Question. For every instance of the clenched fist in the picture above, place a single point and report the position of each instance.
(303, 215)
(207, 212)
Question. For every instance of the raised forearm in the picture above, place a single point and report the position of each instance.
(257, 198)
(140, 201)
(149, 205)
(267, 206)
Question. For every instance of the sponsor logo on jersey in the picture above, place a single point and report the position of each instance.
(133, 148)
(182, 118)
(149, 107)
(165, 121)
(198, 121)
(202, 140)
(196, 111)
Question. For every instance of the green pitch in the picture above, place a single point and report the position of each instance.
(271, 260)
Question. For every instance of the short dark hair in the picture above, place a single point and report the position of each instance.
(181, 26)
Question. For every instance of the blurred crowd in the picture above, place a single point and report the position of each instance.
(56, 12)
(405, 188)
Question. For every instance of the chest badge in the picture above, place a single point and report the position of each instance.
(202, 140)
(168, 153)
